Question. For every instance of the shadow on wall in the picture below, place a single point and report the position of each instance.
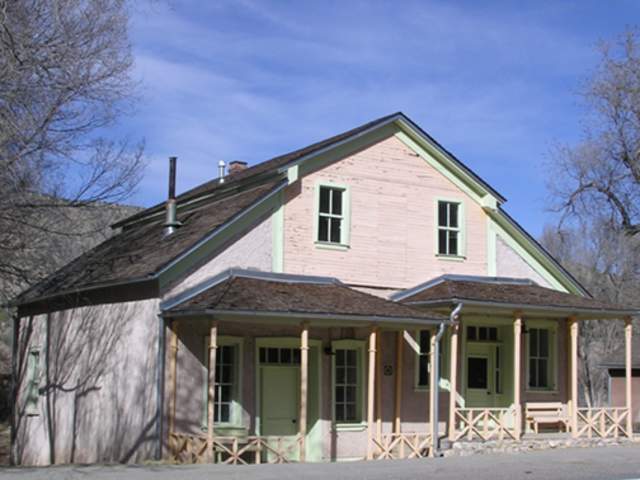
(97, 385)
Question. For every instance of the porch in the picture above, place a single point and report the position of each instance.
(358, 377)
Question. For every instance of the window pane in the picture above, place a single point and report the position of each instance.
(544, 343)
(542, 373)
(225, 393)
(324, 199)
(423, 374)
(477, 372)
(337, 202)
(285, 355)
(442, 242)
(442, 214)
(471, 333)
(533, 375)
(351, 393)
(263, 355)
(453, 215)
(453, 243)
(296, 356)
(425, 341)
(351, 357)
(323, 229)
(224, 413)
(340, 354)
(272, 355)
(341, 375)
(483, 333)
(351, 415)
(352, 375)
(533, 342)
(336, 224)
(340, 394)
(493, 334)
(340, 410)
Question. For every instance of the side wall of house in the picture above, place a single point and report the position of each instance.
(617, 394)
(393, 195)
(97, 383)
(510, 264)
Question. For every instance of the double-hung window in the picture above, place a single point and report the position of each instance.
(227, 382)
(348, 380)
(423, 362)
(332, 220)
(540, 365)
(449, 228)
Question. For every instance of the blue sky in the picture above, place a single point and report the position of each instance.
(494, 82)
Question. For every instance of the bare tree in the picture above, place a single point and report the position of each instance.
(65, 76)
(602, 173)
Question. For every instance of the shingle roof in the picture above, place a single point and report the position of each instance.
(247, 291)
(503, 291)
(143, 250)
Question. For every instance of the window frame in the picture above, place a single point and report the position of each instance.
(235, 412)
(461, 229)
(444, 360)
(345, 235)
(361, 422)
(552, 367)
(32, 402)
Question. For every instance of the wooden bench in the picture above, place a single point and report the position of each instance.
(547, 413)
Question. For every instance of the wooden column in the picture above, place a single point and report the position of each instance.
(433, 388)
(453, 381)
(304, 384)
(628, 335)
(371, 391)
(173, 376)
(379, 387)
(397, 424)
(211, 386)
(573, 334)
(517, 371)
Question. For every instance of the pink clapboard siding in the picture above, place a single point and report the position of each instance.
(393, 194)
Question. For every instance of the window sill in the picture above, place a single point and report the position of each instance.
(229, 429)
(350, 427)
(451, 258)
(545, 391)
(332, 246)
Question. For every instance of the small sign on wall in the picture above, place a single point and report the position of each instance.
(387, 370)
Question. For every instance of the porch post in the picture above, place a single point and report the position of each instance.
(304, 381)
(371, 390)
(433, 391)
(173, 379)
(453, 374)
(517, 371)
(628, 334)
(211, 390)
(397, 426)
(573, 333)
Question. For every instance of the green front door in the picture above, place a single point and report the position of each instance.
(280, 394)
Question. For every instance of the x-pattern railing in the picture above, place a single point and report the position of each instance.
(396, 446)
(604, 422)
(485, 423)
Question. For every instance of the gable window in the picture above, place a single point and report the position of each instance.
(348, 377)
(32, 397)
(449, 228)
(332, 219)
(226, 386)
(540, 351)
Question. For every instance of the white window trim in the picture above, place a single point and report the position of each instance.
(345, 231)
(359, 346)
(552, 373)
(235, 415)
(462, 237)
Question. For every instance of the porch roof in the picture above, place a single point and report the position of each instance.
(500, 293)
(259, 294)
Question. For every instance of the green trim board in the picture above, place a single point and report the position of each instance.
(360, 347)
(277, 237)
(235, 422)
(314, 415)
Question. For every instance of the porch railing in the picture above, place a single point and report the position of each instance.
(602, 422)
(396, 446)
(485, 424)
(184, 448)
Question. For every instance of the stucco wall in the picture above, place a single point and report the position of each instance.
(392, 236)
(252, 250)
(97, 384)
(510, 264)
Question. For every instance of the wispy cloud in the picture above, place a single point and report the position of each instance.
(253, 79)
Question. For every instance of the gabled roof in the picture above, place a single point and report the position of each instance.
(507, 293)
(246, 292)
(142, 252)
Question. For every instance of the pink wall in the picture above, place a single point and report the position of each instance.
(393, 194)
(618, 395)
